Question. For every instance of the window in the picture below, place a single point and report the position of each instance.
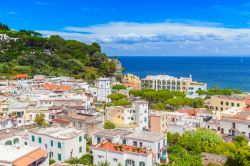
(142, 163)
(51, 143)
(98, 139)
(8, 143)
(115, 159)
(248, 126)
(124, 141)
(232, 104)
(135, 143)
(39, 139)
(221, 102)
(80, 139)
(59, 145)
(140, 144)
(238, 104)
(145, 119)
(80, 149)
(50, 154)
(159, 145)
(33, 138)
(59, 157)
(226, 103)
(16, 141)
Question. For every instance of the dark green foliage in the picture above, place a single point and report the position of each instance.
(218, 91)
(86, 159)
(51, 161)
(34, 54)
(116, 96)
(109, 125)
(186, 149)
(118, 87)
(159, 100)
(4, 27)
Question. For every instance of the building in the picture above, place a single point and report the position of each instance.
(166, 82)
(221, 103)
(131, 81)
(61, 143)
(23, 156)
(135, 116)
(102, 89)
(235, 126)
(88, 122)
(4, 37)
(116, 154)
(156, 142)
(194, 87)
(13, 136)
(158, 121)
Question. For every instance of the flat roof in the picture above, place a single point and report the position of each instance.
(125, 133)
(58, 132)
(11, 132)
(113, 132)
(146, 136)
(15, 153)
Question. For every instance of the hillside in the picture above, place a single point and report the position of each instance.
(29, 52)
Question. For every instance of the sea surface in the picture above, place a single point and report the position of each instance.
(225, 72)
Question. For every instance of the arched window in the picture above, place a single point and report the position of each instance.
(8, 143)
(142, 163)
(16, 141)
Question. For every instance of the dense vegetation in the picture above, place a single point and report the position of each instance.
(109, 125)
(186, 149)
(34, 54)
(165, 99)
(218, 91)
(119, 99)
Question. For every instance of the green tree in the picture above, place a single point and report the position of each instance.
(109, 125)
(118, 87)
(40, 119)
(116, 96)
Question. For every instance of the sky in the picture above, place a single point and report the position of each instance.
(140, 27)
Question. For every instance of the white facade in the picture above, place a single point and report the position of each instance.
(126, 158)
(60, 143)
(156, 142)
(193, 88)
(234, 127)
(141, 108)
(103, 86)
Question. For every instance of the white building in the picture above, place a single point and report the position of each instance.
(156, 142)
(102, 89)
(235, 126)
(22, 156)
(165, 82)
(60, 143)
(135, 116)
(194, 87)
(126, 155)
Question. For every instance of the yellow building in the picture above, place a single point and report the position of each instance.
(221, 103)
(131, 81)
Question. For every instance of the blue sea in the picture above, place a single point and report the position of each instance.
(225, 72)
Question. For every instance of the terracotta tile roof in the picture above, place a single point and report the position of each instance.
(30, 158)
(19, 76)
(125, 148)
(64, 121)
(56, 87)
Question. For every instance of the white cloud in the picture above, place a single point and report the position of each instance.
(164, 38)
